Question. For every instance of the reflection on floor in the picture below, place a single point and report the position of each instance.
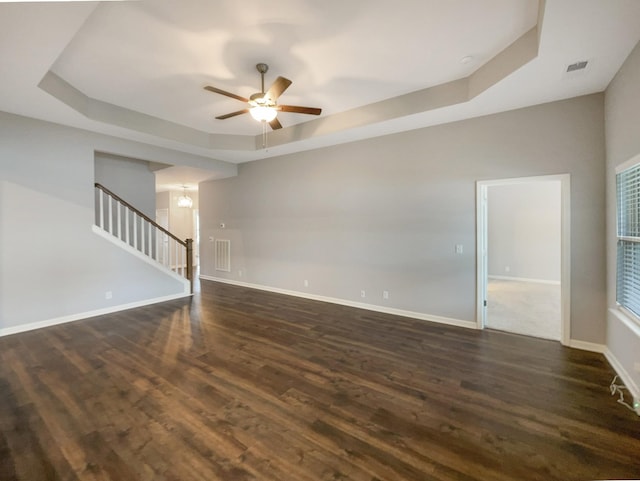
(528, 308)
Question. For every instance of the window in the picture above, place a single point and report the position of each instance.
(628, 272)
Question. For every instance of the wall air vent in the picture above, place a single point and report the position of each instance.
(223, 255)
(577, 66)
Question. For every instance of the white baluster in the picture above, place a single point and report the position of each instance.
(177, 257)
(126, 226)
(101, 208)
(110, 215)
(149, 240)
(135, 230)
(119, 217)
(141, 235)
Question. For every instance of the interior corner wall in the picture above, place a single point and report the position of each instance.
(622, 123)
(130, 179)
(385, 214)
(162, 200)
(52, 265)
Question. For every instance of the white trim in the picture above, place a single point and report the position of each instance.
(628, 239)
(344, 302)
(482, 269)
(623, 374)
(626, 319)
(143, 257)
(587, 346)
(617, 366)
(7, 331)
(524, 180)
(627, 164)
(565, 268)
(525, 279)
(630, 318)
(632, 163)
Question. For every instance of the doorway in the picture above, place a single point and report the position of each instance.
(523, 256)
(162, 219)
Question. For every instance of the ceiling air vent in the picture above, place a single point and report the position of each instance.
(577, 66)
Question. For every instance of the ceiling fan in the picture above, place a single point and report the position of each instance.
(263, 105)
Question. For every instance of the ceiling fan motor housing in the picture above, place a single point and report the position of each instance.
(260, 99)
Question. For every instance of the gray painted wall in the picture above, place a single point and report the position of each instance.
(52, 264)
(130, 179)
(622, 114)
(386, 213)
(163, 199)
(524, 230)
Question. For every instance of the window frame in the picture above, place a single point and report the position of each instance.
(623, 239)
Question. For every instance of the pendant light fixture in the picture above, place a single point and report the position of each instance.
(184, 200)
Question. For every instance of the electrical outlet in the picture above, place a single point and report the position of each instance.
(507, 268)
(306, 283)
(240, 273)
(363, 293)
(459, 249)
(108, 295)
(385, 294)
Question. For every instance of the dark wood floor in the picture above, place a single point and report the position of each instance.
(239, 384)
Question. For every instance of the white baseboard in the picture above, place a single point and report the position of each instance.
(587, 346)
(613, 361)
(622, 373)
(343, 302)
(7, 331)
(618, 366)
(525, 279)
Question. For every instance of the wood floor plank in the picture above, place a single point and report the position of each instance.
(240, 384)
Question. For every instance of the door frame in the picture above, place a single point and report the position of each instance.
(164, 239)
(482, 187)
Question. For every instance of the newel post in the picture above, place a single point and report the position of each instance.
(190, 262)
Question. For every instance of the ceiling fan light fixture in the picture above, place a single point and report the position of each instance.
(263, 113)
(263, 106)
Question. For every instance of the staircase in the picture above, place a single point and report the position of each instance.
(120, 219)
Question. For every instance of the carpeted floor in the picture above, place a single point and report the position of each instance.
(528, 308)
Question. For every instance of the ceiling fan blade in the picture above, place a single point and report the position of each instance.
(300, 110)
(280, 85)
(232, 114)
(275, 124)
(223, 92)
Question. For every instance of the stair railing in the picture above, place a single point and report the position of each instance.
(131, 226)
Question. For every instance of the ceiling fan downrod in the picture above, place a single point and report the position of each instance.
(263, 68)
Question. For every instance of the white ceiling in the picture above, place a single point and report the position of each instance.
(136, 69)
(155, 57)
